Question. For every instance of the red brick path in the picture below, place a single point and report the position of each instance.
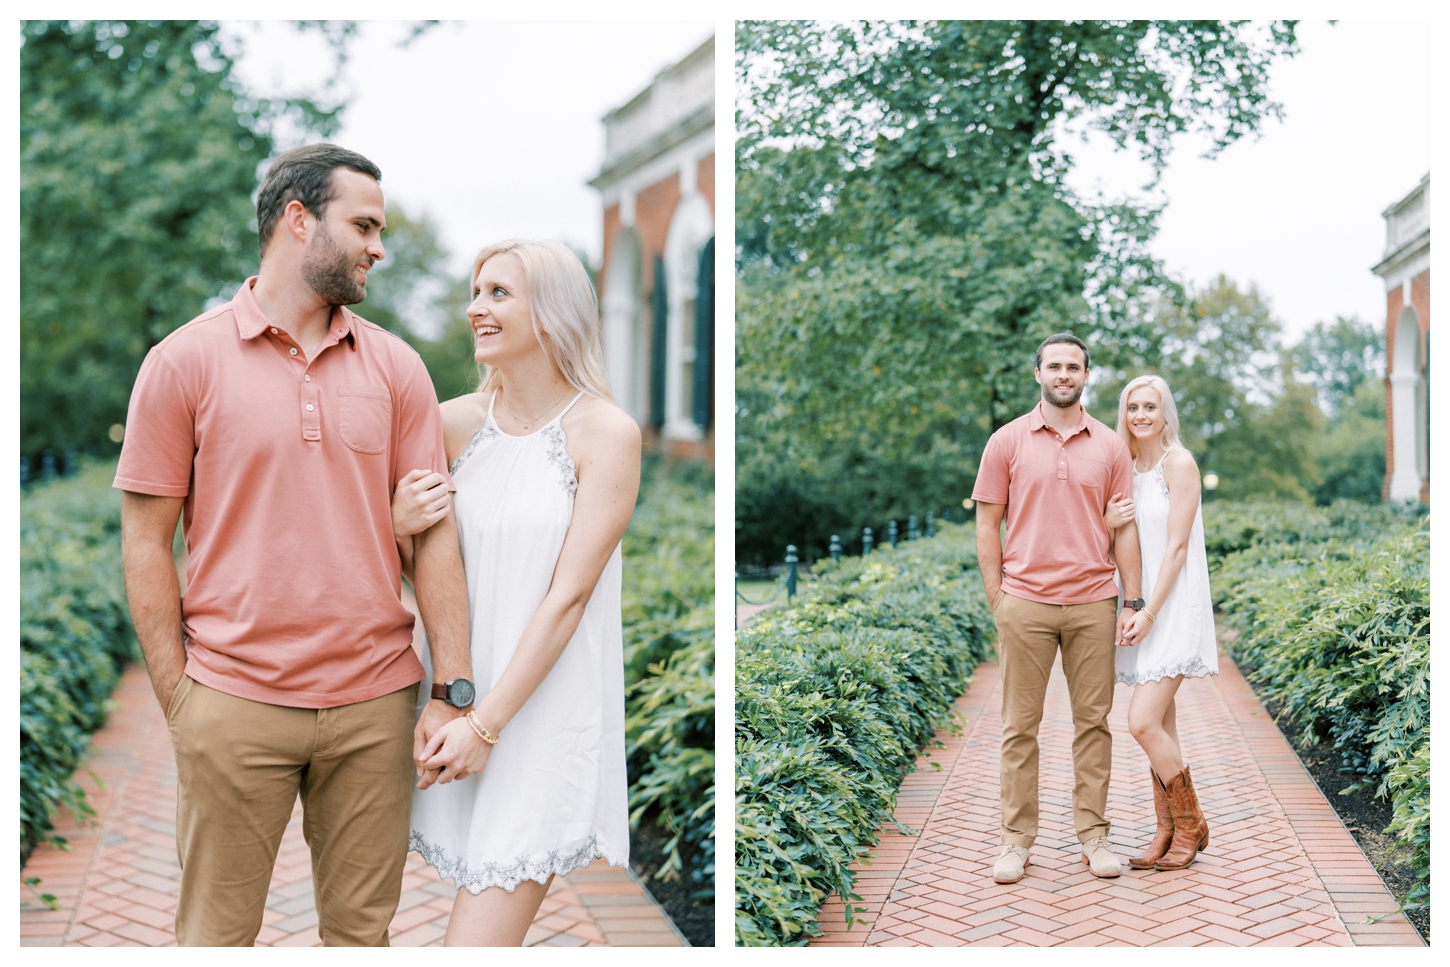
(118, 884)
(1281, 869)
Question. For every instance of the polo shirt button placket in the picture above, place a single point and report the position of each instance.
(311, 418)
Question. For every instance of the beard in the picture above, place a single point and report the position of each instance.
(1062, 398)
(329, 271)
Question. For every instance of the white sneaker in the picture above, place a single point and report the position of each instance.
(1011, 864)
(1100, 859)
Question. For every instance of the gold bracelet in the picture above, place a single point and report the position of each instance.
(483, 733)
(1151, 615)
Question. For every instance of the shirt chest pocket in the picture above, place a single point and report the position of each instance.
(364, 417)
(1091, 474)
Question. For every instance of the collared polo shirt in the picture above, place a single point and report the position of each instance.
(288, 467)
(1056, 491)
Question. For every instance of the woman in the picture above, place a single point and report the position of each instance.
(1172, 637)
(547, 470)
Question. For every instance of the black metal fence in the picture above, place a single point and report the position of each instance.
(785, 576)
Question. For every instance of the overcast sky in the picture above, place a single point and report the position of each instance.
(1298, 211)
(492, 129)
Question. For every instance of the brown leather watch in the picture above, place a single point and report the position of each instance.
(457, 692)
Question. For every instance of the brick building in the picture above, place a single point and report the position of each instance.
(657, 281)
(1406, 271)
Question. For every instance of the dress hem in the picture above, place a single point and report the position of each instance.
(1196, 668)
(509, 876)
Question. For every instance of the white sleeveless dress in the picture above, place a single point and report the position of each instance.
(1182, 640)
(553, 795)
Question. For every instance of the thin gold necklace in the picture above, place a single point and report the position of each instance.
(528, 423)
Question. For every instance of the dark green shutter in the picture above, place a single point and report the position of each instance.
(660, 308)
(705, 337)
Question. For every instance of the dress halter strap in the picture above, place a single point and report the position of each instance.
(568, 408)
(490, 403)
(1160, 460)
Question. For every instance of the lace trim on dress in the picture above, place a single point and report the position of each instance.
(1158, 476)
(484, 432)
(536, 867)
(1194, 667)
(1157, 472)
(558, 454)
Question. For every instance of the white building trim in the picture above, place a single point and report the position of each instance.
(1407, 396)
(691, 227)
(624, 340)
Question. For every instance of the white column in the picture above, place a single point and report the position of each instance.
(689, 177)
(1405, 478)
(618, 327)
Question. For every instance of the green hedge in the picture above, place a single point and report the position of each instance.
(75, 638)
(1236, 526)
(835, 699)
(669, 640)
(1332, 610)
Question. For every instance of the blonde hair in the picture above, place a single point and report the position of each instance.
(564, 310)
(1165, 404)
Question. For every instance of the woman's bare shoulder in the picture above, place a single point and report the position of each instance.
(1180, 467)
(597, 426)
(462, 416)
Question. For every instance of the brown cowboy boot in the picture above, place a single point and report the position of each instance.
(1190, 829)
(1164, 836)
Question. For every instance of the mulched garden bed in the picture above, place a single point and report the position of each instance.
(1363, 814)
(695, 920)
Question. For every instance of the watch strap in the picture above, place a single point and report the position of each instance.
(440, 691)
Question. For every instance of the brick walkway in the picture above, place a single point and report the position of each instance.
(118, 885)
(1281, 869)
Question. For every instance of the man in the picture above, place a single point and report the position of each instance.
(1052, 473)
(280, 423)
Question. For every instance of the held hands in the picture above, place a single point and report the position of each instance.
(1120, 512)
(436, 714)
(420, 501)
(1135, 628)
(454, 752)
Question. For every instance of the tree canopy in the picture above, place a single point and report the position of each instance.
(906, 238)
(139, 155)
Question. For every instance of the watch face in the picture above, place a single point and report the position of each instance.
(460, 692)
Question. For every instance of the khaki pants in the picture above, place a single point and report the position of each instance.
(1029, 635)
(240, 766)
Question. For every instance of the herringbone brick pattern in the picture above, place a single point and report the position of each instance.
(1281, 869)
(118, 885)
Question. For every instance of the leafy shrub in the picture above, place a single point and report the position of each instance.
(75, 638)
(1334, 628)
(669, 647)
(1230, 527)
(1408, 784)
(834, 699)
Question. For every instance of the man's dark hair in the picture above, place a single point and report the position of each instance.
(1066, 337)
(304, 174)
